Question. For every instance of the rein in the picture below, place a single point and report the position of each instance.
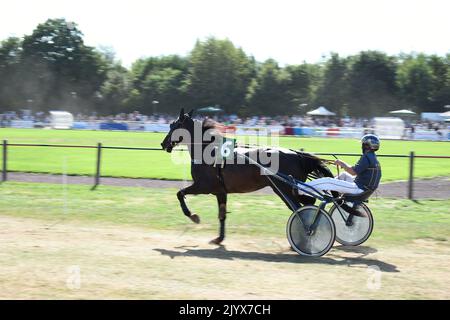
(303, 154)
(337, 167)
(327, 161)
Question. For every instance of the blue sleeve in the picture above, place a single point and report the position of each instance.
(362, 165)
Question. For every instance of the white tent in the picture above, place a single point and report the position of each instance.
(321, 111)
(402, 112)
(388, 127)
(61, 120)
(433, 116)
(445, 114)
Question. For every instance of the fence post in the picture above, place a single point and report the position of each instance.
(411, 175)
(5, 159)
(97, 172)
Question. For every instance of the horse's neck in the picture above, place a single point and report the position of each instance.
(196, 144)
(199, 143)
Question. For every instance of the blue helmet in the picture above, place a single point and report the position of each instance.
(370, 142)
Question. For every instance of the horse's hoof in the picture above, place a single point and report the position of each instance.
(195, 218)
(216, 241)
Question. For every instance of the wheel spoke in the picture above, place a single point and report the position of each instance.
(355, 233)
(316, 243)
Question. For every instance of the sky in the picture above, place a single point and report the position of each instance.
(289, 31)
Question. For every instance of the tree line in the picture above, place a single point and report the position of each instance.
(52, 68)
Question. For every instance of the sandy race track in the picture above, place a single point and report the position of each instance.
(70, 260)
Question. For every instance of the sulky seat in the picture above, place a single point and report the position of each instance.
(357, 198)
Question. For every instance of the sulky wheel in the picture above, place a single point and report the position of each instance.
(352, 230)
(309, 232)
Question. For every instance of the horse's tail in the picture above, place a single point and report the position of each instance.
(317, 167)
(322, 170)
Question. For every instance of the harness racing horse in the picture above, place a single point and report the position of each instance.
(236, 176)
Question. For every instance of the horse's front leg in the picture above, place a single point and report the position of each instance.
(222, 203)
(192, 189)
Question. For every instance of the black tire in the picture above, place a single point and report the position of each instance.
(355, 234)
(320, 241)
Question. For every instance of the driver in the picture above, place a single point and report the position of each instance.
(363, 176)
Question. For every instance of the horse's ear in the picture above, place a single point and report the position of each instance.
(181, 113)
(190, 113)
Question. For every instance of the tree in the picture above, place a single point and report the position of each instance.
(10, 64)
(52, 68)
(267, 92)
(372, 80)
(219, 74)
(60, 70)
(333, 91)
(415, 79)
(298, 87)
(161, 79)
(115, 90)
(440, 94)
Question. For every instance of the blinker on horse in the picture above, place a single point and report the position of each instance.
(236, 176)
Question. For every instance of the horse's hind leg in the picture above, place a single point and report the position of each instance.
(192, 189)
(222, 203)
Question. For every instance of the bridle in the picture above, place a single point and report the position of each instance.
(179, 124)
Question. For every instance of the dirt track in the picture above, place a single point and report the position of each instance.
(42, 260)
(437, 188)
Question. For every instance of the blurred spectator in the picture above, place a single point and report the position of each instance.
(411, 126)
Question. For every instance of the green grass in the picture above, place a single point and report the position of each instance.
(159, 164)
(396, 221)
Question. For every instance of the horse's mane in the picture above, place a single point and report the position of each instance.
(210, 124)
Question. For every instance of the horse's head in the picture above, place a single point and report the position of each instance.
(177, 130)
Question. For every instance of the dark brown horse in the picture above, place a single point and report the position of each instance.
(236, 175)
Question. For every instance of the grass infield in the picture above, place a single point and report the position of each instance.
(161, 165)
